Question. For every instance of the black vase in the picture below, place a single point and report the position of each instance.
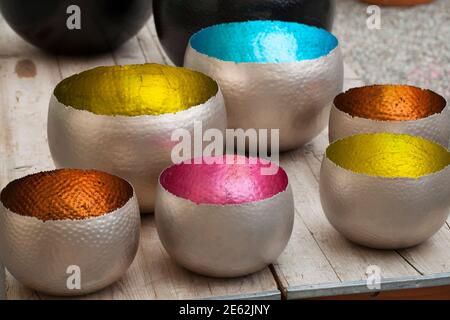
(76, 26)
(177, 20)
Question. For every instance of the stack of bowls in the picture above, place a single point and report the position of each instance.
(56, 223)
(224, 216)
(273, 74)
(120, 120)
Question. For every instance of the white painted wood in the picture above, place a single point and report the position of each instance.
(317, 261)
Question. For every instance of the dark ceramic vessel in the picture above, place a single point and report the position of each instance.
(105, 24)
(177, 20)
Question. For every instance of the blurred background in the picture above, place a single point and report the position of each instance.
(412, 46)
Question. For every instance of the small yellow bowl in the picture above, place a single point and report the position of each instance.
(386, 190)
(390, 108)
(120, 120)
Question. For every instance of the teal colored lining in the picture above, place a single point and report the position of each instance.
(264, 42)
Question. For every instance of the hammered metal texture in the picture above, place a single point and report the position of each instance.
(294, 97)
(135, 90)
(384, 213)
(66, 194)
(216, 181)
(38, 253)
(134, 148)
(224, 240)
(430, 122)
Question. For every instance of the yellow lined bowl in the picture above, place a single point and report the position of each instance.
(136, 90)
(386, 190)
(120, 120)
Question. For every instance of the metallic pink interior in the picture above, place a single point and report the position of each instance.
(229, 182)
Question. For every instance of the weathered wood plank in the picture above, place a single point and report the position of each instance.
(433, 256)
(150, 48)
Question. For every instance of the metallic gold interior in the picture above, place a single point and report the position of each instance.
(134, 90)
(390, 102)
(389, 155)
(66, 194)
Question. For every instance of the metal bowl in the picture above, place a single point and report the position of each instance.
(273, 74)
(384, 190)
(177, 20)
(224, 217)
(390, 108)
(76, 26)
(120, 120)
(61, 225)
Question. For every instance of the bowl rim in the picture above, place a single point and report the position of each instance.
(330, 52)
(209, 102)
(429, 175)
(430, 116)
(128, 203)
(206, 102)
(217, 205)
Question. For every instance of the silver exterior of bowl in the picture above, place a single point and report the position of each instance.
(224, 240)
(384, 213)
(293, 97)
(435, 127)
(39, 253)
(134, 148)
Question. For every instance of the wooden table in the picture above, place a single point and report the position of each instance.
(317, 262)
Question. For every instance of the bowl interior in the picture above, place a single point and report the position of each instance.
(222, 182)
(390, 102)
(133, 90)
(263, 42)
(389, 155)
(66, 194)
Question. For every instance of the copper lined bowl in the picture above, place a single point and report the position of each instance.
(390, 108)
(120, 119)
(225, 216)
(52, 223)
(385, 190)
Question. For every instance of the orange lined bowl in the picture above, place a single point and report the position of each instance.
(63, 221)
(390, 108)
